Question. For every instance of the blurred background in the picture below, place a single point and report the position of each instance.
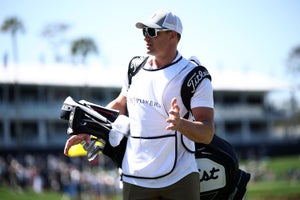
(53, 49)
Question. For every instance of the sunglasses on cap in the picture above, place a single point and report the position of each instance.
(152, 32)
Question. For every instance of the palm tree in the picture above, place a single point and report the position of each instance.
(294, 71)
(55, 34)
(83, 47)
(13, 25)
(294, 61)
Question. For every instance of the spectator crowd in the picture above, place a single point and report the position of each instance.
(73, 177)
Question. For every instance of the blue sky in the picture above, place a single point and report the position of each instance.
(252, 35)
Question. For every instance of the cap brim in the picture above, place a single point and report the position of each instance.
(147, 24)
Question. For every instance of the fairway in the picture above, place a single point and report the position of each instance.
(273, 190)
(276, 178)
(15, 194)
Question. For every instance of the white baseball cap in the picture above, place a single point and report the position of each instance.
(162, 19)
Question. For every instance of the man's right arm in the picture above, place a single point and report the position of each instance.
(118, 104)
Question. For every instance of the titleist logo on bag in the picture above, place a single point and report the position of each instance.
(212, 175)
(196, 79)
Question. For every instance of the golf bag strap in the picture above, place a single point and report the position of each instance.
(135, 64)
(192, 80)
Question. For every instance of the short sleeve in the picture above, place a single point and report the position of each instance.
(203, 97)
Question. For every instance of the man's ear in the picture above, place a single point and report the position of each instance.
(174, 35)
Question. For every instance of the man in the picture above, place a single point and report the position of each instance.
(157, 163)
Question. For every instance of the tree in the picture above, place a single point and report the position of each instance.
(293, 67)
(294, 61)
(13, 26)
(83, 47)
(294, 70)
(54, 33)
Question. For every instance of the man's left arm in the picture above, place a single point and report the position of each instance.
(200, 130)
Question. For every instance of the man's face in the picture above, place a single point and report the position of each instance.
(156, 41)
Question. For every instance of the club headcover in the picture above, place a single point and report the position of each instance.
(86, 117)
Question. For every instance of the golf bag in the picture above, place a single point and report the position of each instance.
(220, 176)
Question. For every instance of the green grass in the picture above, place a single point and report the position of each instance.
(282, 164)
(276, 181)
(279, 186)
(11, 194)
(273, 190)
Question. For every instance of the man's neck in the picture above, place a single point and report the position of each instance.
(161, 61)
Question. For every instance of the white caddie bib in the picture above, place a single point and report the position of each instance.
(151, 149)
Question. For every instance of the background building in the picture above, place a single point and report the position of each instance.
(31, 98)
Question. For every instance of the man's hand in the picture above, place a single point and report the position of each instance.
(174, 119)
(75, 139)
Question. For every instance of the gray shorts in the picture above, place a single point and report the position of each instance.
(188, 188)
